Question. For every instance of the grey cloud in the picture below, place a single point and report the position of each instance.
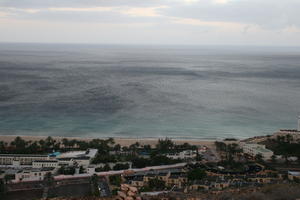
(270, 14)
(75, 3)
(91, 17)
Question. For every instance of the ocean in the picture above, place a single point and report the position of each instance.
(136, 91)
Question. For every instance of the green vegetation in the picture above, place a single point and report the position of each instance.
(2, 188)
(120, 166)
(168, 146)
(155, 159)
(285, 146)
(115, 180)
(196, 174)
(94, 185)
(104, 158)
(49, 180)
(105, 168)
(230, 151)
(66, 170)
(156, 184)
(20, 146)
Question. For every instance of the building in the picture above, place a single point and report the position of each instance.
(138, 181)
(187, 154)
(298, 123)
(294, 175)
(255, 149)
(80, 158)
(45, 163)
(178, 180)
(23, 159)
(32, 174)
(294, 134)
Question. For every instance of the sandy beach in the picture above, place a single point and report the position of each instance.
(121, 141)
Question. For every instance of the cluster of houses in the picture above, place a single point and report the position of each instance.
(177, 180)
(171, 177)
(25, 167)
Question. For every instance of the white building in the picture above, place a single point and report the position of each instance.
(187, 154)
(44, 163)
(31, 174)
(292, 175)
(81, 158)
(294, 133)
(23, 159)
(298, 123)
(255, 149)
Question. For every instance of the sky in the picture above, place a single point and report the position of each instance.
(193, 22)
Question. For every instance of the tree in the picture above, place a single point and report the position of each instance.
(259, 157)
(134, 147)
(273, 158)
(3, 147)
(33, 147)
(196, 174)
(232, 150)
(164, 145)
(140, 162)
(110, 141)
(105, 168)
(147, 147)
(120, 166)
(117, 147)
(65, 142)
(115, 180)
(81, 170)
(49, 142)
(67, 170)
(49, 180)
(19, 144)
(2, 188)
(156, 184)
(94, 185)
(221, 146)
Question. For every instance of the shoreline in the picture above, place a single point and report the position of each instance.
(123, 141)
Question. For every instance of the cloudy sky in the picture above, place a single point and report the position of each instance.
(233, 22)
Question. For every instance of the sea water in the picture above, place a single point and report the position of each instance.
(203, 92)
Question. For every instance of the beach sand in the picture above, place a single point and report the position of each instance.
(121, 141)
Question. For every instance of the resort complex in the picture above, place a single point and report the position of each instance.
(66, 167)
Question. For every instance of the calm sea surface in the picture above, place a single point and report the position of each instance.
(148, 91)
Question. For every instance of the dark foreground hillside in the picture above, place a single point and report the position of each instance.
(274, 192)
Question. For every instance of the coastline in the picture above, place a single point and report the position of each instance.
(118, 140)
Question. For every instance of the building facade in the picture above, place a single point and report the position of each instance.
(23, 159)
(45, 163)
(255, 149)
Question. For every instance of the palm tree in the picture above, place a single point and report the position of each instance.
(65, 142)
(2, 188)
(19, 144)
(94, 185)
(2, 146)
(110, 141)
(117, 147)
(49, 180)
(42, 144)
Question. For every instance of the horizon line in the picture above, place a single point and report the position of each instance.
(147, 44)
